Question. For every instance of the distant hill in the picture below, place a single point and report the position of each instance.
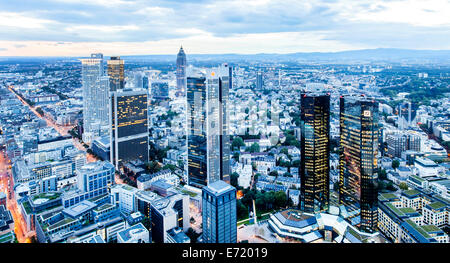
(380, 54)
(364, 55)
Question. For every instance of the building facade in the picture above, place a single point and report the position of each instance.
(358, 195)
(315, 153)
(181, 71)
(207, 126)
(129, 127)
(116, 73)
(219, 213)
(95, 97)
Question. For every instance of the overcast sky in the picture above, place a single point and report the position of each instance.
(126, 27)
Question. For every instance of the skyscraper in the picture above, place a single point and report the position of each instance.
(207, 126)
(407, 112)
(181, 71)
(95, 97)
(129, 126)
(315, 153)
(116, 73)
(358, 194)
(259, 80)
(219, 213)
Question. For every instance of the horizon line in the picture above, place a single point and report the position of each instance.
(240, 54)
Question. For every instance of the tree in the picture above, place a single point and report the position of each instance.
(403, 186)
(382, 175)
(241, 210)
(153, 167)
(395, 164)
(192, 235)
(254, 148)
(390, 186)
(280, 199)
(285, 151)
(237, 142)
(273, 173)
(234, 179)
(236, 156)
(169, 166)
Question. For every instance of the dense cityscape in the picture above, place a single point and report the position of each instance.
(135, 149)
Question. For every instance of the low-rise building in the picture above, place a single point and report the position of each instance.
(134, 234)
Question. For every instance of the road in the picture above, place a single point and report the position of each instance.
(7, 186)
(62, 130)
(7, 183)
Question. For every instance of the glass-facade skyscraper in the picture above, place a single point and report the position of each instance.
(259, 80)
(315, 153)
(116, 73)
(358, 196)
(129, 126)
(219, 213)
(95, 98)
(207, 126)
(181, 71)
(407, 112)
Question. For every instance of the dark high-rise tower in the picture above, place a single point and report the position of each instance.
(219, 213)
(181, 71)
(315, 153)
(358, 194)
(129, 126)
(207, 126)
(116, 73)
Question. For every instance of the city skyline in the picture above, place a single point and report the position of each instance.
(69, 28)
(258, 127)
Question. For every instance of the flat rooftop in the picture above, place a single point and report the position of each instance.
(219, 187)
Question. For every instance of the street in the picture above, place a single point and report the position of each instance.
(7, 186)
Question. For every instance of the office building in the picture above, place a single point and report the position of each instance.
(95, 98)
(93, 180)
(259, 80)
(167, 213)
(116, 73)
(219, 213)
(123, 196)
(358, 195)
(407, 113)
(399, 143)
(315, 153)
(129, 127)
(207, 126)
(160, 90)
(181, 71)
(134, 234)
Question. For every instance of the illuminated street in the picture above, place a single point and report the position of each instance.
(6, 185)
(62, 130)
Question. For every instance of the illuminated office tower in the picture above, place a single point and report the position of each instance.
(207, 126)
(315, 153)
(219, 213)
(116, 73)
(129, 126)
(181, 71)
(358, 196)
(259, 80)
(95, 98)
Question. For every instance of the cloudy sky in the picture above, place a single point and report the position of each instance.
(126, 27)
